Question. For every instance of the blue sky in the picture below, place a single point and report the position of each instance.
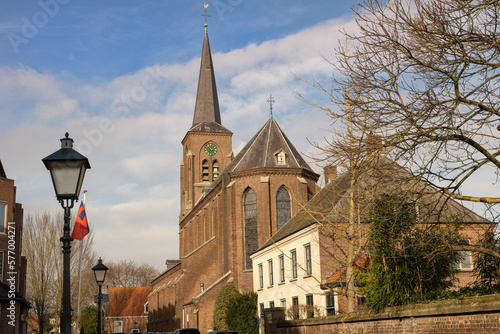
(120, 76)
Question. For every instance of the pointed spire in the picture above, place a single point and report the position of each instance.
(207, 102)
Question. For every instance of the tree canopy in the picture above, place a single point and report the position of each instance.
(424, 74)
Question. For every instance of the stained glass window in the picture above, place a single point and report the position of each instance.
(250, 223)
(282, 207)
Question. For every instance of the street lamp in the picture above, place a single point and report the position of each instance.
(67, 168)
(100, 274)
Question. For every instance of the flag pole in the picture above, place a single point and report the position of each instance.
(77, 326)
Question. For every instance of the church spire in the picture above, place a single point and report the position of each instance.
(207, 102)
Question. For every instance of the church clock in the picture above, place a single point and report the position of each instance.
(210, 149)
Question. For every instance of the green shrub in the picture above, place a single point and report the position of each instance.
(225, 296)
(241, 314)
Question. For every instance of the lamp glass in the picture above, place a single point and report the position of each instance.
(67, 177)
(100, 275)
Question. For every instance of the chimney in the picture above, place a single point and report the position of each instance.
(330, 173)
(172, 263)
(373, 142)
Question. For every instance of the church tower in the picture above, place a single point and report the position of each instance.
(207, 146)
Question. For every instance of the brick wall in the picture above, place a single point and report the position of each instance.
(467, 315)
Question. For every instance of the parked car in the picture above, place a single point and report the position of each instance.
(186, 331)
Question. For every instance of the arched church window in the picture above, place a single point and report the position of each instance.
(250, 225)
(283, 212)
(215, 169)
(205, 170)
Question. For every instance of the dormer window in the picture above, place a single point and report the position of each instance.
(281, 158)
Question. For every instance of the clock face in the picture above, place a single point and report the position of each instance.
(210, 149)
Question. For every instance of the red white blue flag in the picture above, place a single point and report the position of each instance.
(81, 228)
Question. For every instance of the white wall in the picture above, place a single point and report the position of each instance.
(304, 284)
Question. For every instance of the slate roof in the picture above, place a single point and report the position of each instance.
(261, 150)
(332, 202)
(127, 301)
(206, 112)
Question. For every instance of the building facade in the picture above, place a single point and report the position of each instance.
(230, 205)
(13, 304)
(127, 310)
(302, 267)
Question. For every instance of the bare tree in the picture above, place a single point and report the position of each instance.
(426, 75)
(42, 248)
(423, 74)
(127, 273)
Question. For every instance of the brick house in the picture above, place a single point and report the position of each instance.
(127, 310)
(13, 304)
(230, 205)
(304, 262)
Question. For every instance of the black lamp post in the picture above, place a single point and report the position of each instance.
(100, 274)
(67, 168)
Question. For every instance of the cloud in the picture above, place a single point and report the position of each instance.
(131, 127)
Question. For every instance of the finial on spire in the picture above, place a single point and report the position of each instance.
(270, 100)
(206, 15)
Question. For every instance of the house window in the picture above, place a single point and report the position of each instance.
(261, 277)
(271, 304)
(3, 216)
(283, 303)
(117, 326)
(283, 212)
(282, 268)
(307, 249)
(293, 259)
(261, 306)
(1, 265)
(310, 306)
(330, 303)
(295, 308)
(250, 221)
(271, 274)
(205, 171)
(215, 169)
(146, 307)
(465, 258)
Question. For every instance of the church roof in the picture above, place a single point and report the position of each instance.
(206, 112)
(262, 151)
(382, 176)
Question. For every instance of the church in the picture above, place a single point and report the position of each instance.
(229, 206)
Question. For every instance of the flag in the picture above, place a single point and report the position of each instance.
(81, 227)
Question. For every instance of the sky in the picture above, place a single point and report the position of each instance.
(120, 76)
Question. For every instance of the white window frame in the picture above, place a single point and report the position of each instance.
(465, 262)
(271, 272)
(282, 268)
(308, 259)
(261, 276)
(117, 324)
(3, 220)
(294, 265)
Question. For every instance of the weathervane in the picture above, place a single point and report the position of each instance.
(206, 15)
(270, 100)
